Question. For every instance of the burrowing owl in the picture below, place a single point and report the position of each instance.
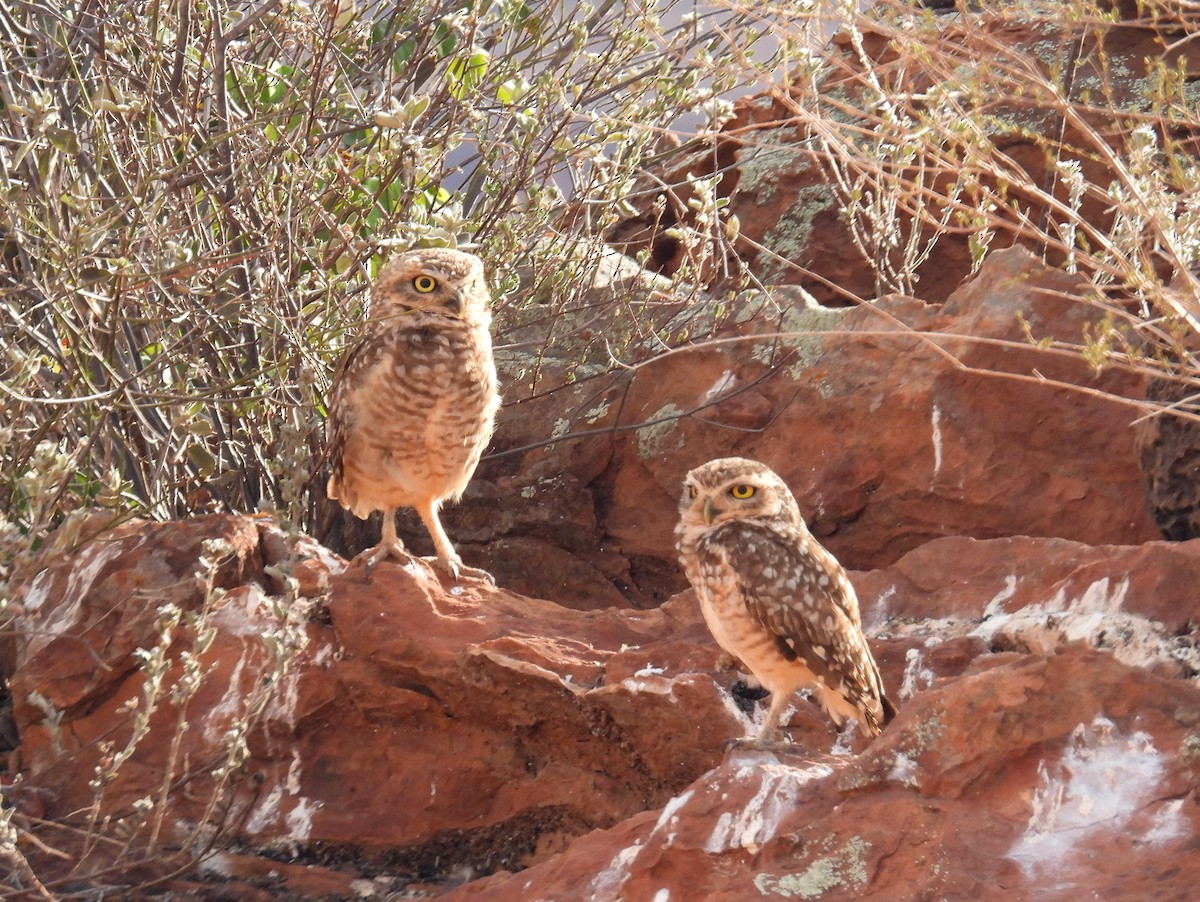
(414, 399)
(773, 597)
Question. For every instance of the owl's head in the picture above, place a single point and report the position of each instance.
(435, 280)
(734, 488)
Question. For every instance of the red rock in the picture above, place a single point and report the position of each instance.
(969, 579)
(887, 443)
(989, 787)
(446, 729)
(1169, 452)
(277, 878)
(425, 737)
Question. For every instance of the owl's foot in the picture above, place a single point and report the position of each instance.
(779, 745)
(772, 743)
(381, 552)
(457, 570)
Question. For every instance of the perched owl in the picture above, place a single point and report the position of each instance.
(773, 597)
(414, 399)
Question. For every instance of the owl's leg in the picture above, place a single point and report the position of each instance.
(447, 559)
(770, 728)
(768, 737)
(389, 544)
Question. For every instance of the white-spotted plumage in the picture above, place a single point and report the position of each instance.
(773, 597)
(415, 397)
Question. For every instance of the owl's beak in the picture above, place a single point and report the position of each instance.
(709, 511)
(454, 302)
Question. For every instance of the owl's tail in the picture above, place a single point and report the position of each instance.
(889, 710)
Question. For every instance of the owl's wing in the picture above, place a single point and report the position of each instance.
(805, 600)
(361, 356)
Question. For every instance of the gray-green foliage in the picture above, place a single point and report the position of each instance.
(194, 195)
(1023, 121)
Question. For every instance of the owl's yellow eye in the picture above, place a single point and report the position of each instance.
(424, 284)
(742, 492)
(693, 491)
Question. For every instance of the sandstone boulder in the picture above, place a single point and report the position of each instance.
(1028, 778)
(321, 733)
(393, 720)
(895, 423)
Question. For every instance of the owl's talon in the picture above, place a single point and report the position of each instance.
(756, 744)
(381, 552)
(476, 573)
(457, 570)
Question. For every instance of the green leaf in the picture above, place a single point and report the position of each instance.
(437, 198)
(275, 84)
(446, 40)
(391, 196)
(511, 91)
(64, 139)
(466, 73)
(402, 54)
(415, 106)
(203, 461)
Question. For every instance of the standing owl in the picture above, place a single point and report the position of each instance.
(773, 597)
(414, 399)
